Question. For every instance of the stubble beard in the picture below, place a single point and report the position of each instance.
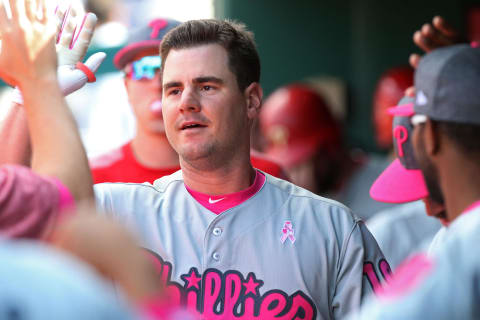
(430, 175)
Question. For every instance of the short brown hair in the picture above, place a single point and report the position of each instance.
(239, 43)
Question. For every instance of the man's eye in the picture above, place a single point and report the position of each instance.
(207, 88)
(174, 92)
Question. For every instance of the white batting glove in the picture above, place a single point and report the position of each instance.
(72, 44)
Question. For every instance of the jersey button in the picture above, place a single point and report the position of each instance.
(216, 256)
(217, 231)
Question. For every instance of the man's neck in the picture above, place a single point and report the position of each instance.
(234, 176)
(460, 186)
(154, 150)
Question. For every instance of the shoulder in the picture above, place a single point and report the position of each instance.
(17, 180)
(132, 194)
(108, 159)
(307, 204)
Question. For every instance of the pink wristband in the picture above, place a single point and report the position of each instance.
(90, 75)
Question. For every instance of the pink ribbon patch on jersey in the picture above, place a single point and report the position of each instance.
(288, 232)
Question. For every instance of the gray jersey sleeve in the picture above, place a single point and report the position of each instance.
(362, 262)
(403, 230)
(445, 285)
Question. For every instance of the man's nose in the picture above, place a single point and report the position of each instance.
(189, 101)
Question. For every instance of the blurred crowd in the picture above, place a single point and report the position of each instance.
(64, 257)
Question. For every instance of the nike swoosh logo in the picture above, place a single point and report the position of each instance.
(214, 201)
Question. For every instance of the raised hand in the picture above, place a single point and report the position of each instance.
(73, 40)
(28, 42)
(432, 36)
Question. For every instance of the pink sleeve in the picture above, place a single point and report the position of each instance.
(66, 200)
(29, 204)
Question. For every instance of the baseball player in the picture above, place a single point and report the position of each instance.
(233, 241)
(446, 143)
(306, 139)
(148, 156)
(405, 229)
(390, 88)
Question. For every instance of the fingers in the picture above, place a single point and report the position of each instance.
(435, 35)
(414, 59)
(65, 37)
(14, 9)
(43, 6)
(95, 60)
(420, 41)
(4, 21)
(410, 92)
(59, 20)
(84, 34)
(30, 10)
(440, 24)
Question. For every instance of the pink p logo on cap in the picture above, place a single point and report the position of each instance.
(401, 136)
(157, 25)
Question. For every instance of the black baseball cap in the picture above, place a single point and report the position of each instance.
(447, 83)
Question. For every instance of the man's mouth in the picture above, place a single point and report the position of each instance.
(191, 125)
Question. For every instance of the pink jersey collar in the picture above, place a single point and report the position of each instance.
(472, 207)
(220, 203)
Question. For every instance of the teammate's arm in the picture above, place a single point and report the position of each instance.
(14, 137)
(28, 60)
(71, 45)
(361, 270)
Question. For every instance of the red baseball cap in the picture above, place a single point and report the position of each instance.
(402, 181)
(296, 123)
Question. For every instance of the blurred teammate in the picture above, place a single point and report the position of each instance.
(405, 229)
(303, 136)
(234, 241)
(446, 140)
(32, 203)
(389, 90)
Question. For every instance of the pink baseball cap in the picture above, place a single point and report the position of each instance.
(402, 181)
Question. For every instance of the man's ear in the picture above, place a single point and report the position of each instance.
(432, 138)
(253, 97)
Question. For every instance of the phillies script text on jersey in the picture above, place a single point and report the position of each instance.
(231, 295)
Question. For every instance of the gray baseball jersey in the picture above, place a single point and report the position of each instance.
(445, 285)
(403, 230)
(284, 253)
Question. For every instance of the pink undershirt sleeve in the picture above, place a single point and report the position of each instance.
(29, 203)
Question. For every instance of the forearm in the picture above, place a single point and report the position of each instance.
(15, 138)
(56, 144)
